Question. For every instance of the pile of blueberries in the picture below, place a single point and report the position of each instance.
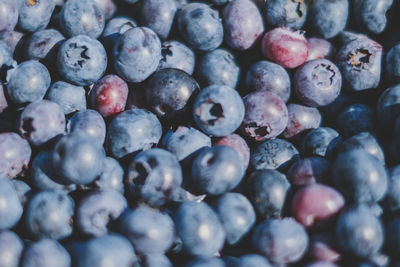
(156, 133)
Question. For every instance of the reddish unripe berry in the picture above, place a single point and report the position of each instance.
(316, 202)
(109, 95)
(320, 48)
(286, 47)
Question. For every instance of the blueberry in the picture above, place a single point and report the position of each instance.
(49, 215)
(155, 260)
(328, 18)
(286, 47)
(218, 67)
(273, 154)
(359, 232)
(43, 45)
(199, 229)
(10, 249)
(243, 24)
(42, 174)
(206, 262)
(318, 141)
(6, 57)
(371, 15)
(154, 175)
(360, 64)
(71, 98)
(108, 6)
(45, 253)
(149, 230)
(82, 17)
(392, 69)
(42, 121)
(359, 176)
(285, 13)
(28, 82)
(318, 82)
(98, 209)
(267, 76)
(355, 119)
(252, 260)
(111, 176)
(8, 16)
(217, 170)
(267, 189)
(114, 28)
(200, 26)
(316, 203)
(88, 122)
(77, 159)
(238, 143)
(323, 248)
(387, 107)
(178, 56)
(158, 15)
(13, 39)
(319, 48)
(24, 191)
(35, 15)
(266, 115)
(185, 141)
(301, 119)
(137, 54)
(113, 249)
(15, 154)
(81, 60)
(310, 170)
(169, 91)
(12, 209)
(392, 197)
(236, 214)
(131, 131)
(218, 110)
(365, 141)
(282, 241)
(109, 95)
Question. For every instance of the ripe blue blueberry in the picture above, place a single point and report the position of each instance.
(15, 154)
(200, 26)
(49, 215)
(137, 54)
(35, 15)
(218, 110)
(131, 131)
(81, 60)
(28, 82)
(178, 56)
(70, 97)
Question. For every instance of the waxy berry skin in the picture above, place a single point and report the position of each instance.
(360, 64)
(318, 82)
(15, 154)
(8, 16)
(316, 202)
(109, 95)
(266, 115)
(301, 119)
(291, 14)
(285, 47)
(243, 24)
(238, 143)
(267, 76)
(137, 54)
(319, 48)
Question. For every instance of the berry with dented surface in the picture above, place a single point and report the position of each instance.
(266, 115)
